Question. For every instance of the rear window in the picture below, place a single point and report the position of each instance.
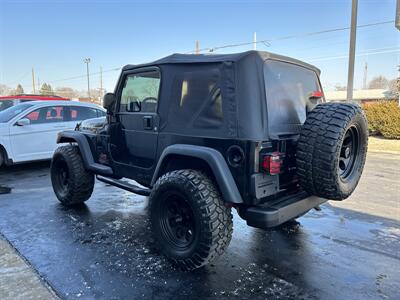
(79, 113)
(288, 90)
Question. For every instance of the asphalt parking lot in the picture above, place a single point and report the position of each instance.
(349, 250)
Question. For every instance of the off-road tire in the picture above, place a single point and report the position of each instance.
(78, 186)
(212, 218)
(320, 148)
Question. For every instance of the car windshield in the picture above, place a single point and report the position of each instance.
(9, 113)
(4, 104)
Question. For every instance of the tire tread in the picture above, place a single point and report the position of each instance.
(216, 217)
(318, 146)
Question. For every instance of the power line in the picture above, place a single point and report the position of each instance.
(84, 76)
(307, 34)
(372, 52)
(265, 42)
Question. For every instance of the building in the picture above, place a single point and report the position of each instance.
(362, 96)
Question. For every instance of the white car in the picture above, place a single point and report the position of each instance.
(28, 131)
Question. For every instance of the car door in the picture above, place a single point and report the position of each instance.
(134, 129)
(38, 139)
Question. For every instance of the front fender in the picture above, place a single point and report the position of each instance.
(85, 150)
(214, 160)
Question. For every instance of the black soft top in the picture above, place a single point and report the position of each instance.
(178, 58)
(239, 77)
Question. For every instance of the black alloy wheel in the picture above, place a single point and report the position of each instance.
(349, 152)
(177, 221)
(62, 177)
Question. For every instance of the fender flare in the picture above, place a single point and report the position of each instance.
(214, 160)
(86, 153)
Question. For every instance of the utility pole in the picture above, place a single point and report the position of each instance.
(33, 81)
(255, 41)
(101, 83)
(87, 61)
(352, 50)
(397, 17)
(197, 48)
(365, 76)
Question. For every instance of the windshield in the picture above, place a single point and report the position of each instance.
(9, 113)
(4, 104)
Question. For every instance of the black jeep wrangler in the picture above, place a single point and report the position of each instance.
(201, 134)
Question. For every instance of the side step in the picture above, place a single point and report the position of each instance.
(125, 186)
(279, 211)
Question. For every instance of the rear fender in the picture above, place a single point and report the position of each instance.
(214, 160)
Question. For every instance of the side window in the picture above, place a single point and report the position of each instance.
(100, 113)
(79, 113)
(140, 92)
(51, 114)
(200, 101)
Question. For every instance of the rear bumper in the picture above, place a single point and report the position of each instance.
(279, 211)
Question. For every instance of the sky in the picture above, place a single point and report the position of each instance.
(54, 37)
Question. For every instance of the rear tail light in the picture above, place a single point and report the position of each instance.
(316, 95)
(271, 163)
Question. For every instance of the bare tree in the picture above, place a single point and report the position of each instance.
(46, 89)
(18, 90)
(379, 82)
(4, 90)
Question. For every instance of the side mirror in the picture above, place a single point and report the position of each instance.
(108, 101)
(23, 122)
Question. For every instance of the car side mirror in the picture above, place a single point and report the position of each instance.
(108, 101)
(23, 122)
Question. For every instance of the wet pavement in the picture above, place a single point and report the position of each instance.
(104, 249)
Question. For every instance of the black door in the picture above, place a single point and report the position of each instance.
(134, 132)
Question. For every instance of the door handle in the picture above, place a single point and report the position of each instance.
(148, 122)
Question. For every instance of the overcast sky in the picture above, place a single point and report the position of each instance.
(55, 36)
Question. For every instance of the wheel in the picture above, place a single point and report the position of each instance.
(332, 149)
(2, 157)
(72, 184)
(190, 222)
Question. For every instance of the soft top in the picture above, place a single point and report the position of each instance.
(260, 56)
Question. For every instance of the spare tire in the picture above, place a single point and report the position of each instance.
(332, 149)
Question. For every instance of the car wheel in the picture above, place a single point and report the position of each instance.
(332, 150)
(191, 224)
(72, 184)
(2, 158)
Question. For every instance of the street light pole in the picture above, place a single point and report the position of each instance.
(87, 61)
(352, 50)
